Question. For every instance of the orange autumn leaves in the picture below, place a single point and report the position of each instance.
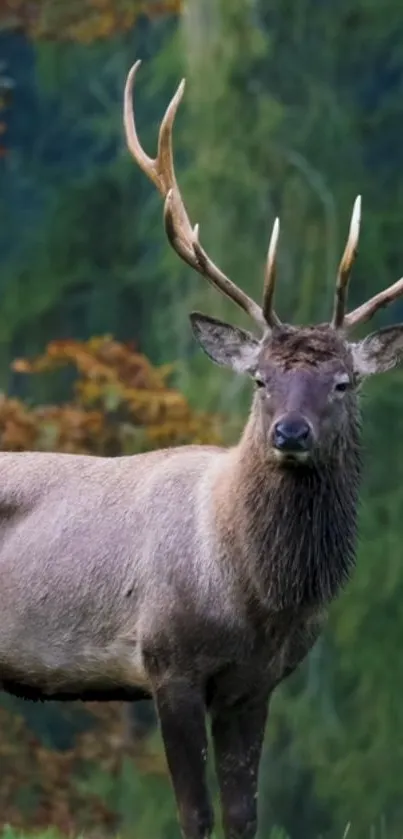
(81, 21)
(47, 788)
(120, 404)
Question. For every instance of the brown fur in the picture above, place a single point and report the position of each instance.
(266, 532)
(290, 347)
(196, 576)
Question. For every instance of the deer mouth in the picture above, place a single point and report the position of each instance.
(292, 439)
(291, 458)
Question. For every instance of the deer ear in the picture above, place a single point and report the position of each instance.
(227, 345)
(379, 352)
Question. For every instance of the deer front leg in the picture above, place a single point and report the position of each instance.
(181, 714)
(238, 732)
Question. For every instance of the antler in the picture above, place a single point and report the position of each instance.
(367, 310)
(270, 277)
(346, 263)
(183, 237)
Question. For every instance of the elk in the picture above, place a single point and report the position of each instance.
(198, 577)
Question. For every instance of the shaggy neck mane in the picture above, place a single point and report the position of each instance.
(301, 522)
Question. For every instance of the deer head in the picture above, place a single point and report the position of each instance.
(307, 377)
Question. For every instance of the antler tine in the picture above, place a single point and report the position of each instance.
(146, 163)
(346, 265)
(192, 252)
(160, 170)
(270, 278)
(365, 312)
(182, 236)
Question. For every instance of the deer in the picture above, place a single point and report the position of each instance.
(198, 577)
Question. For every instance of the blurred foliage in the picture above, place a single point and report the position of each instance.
(291, 109)
(83, 21)
(80, 788)
(121, 405)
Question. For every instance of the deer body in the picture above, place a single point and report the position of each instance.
(200, 576)
(125, 554)
(194, 576)
(91, 537)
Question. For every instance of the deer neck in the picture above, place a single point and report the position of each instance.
(294, 528)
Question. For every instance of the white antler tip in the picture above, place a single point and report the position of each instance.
(134, 68)
(356, 219)
(274, 240)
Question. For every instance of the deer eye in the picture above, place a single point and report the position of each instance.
(259, 382)
(342, 384)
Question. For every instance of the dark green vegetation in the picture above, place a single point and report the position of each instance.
(290, 109)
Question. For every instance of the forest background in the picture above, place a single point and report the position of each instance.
(291, 108)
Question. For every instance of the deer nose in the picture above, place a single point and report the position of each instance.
(292, 434)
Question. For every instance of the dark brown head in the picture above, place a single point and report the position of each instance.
(307, 378)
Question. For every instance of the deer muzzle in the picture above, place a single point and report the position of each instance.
(292, 437)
